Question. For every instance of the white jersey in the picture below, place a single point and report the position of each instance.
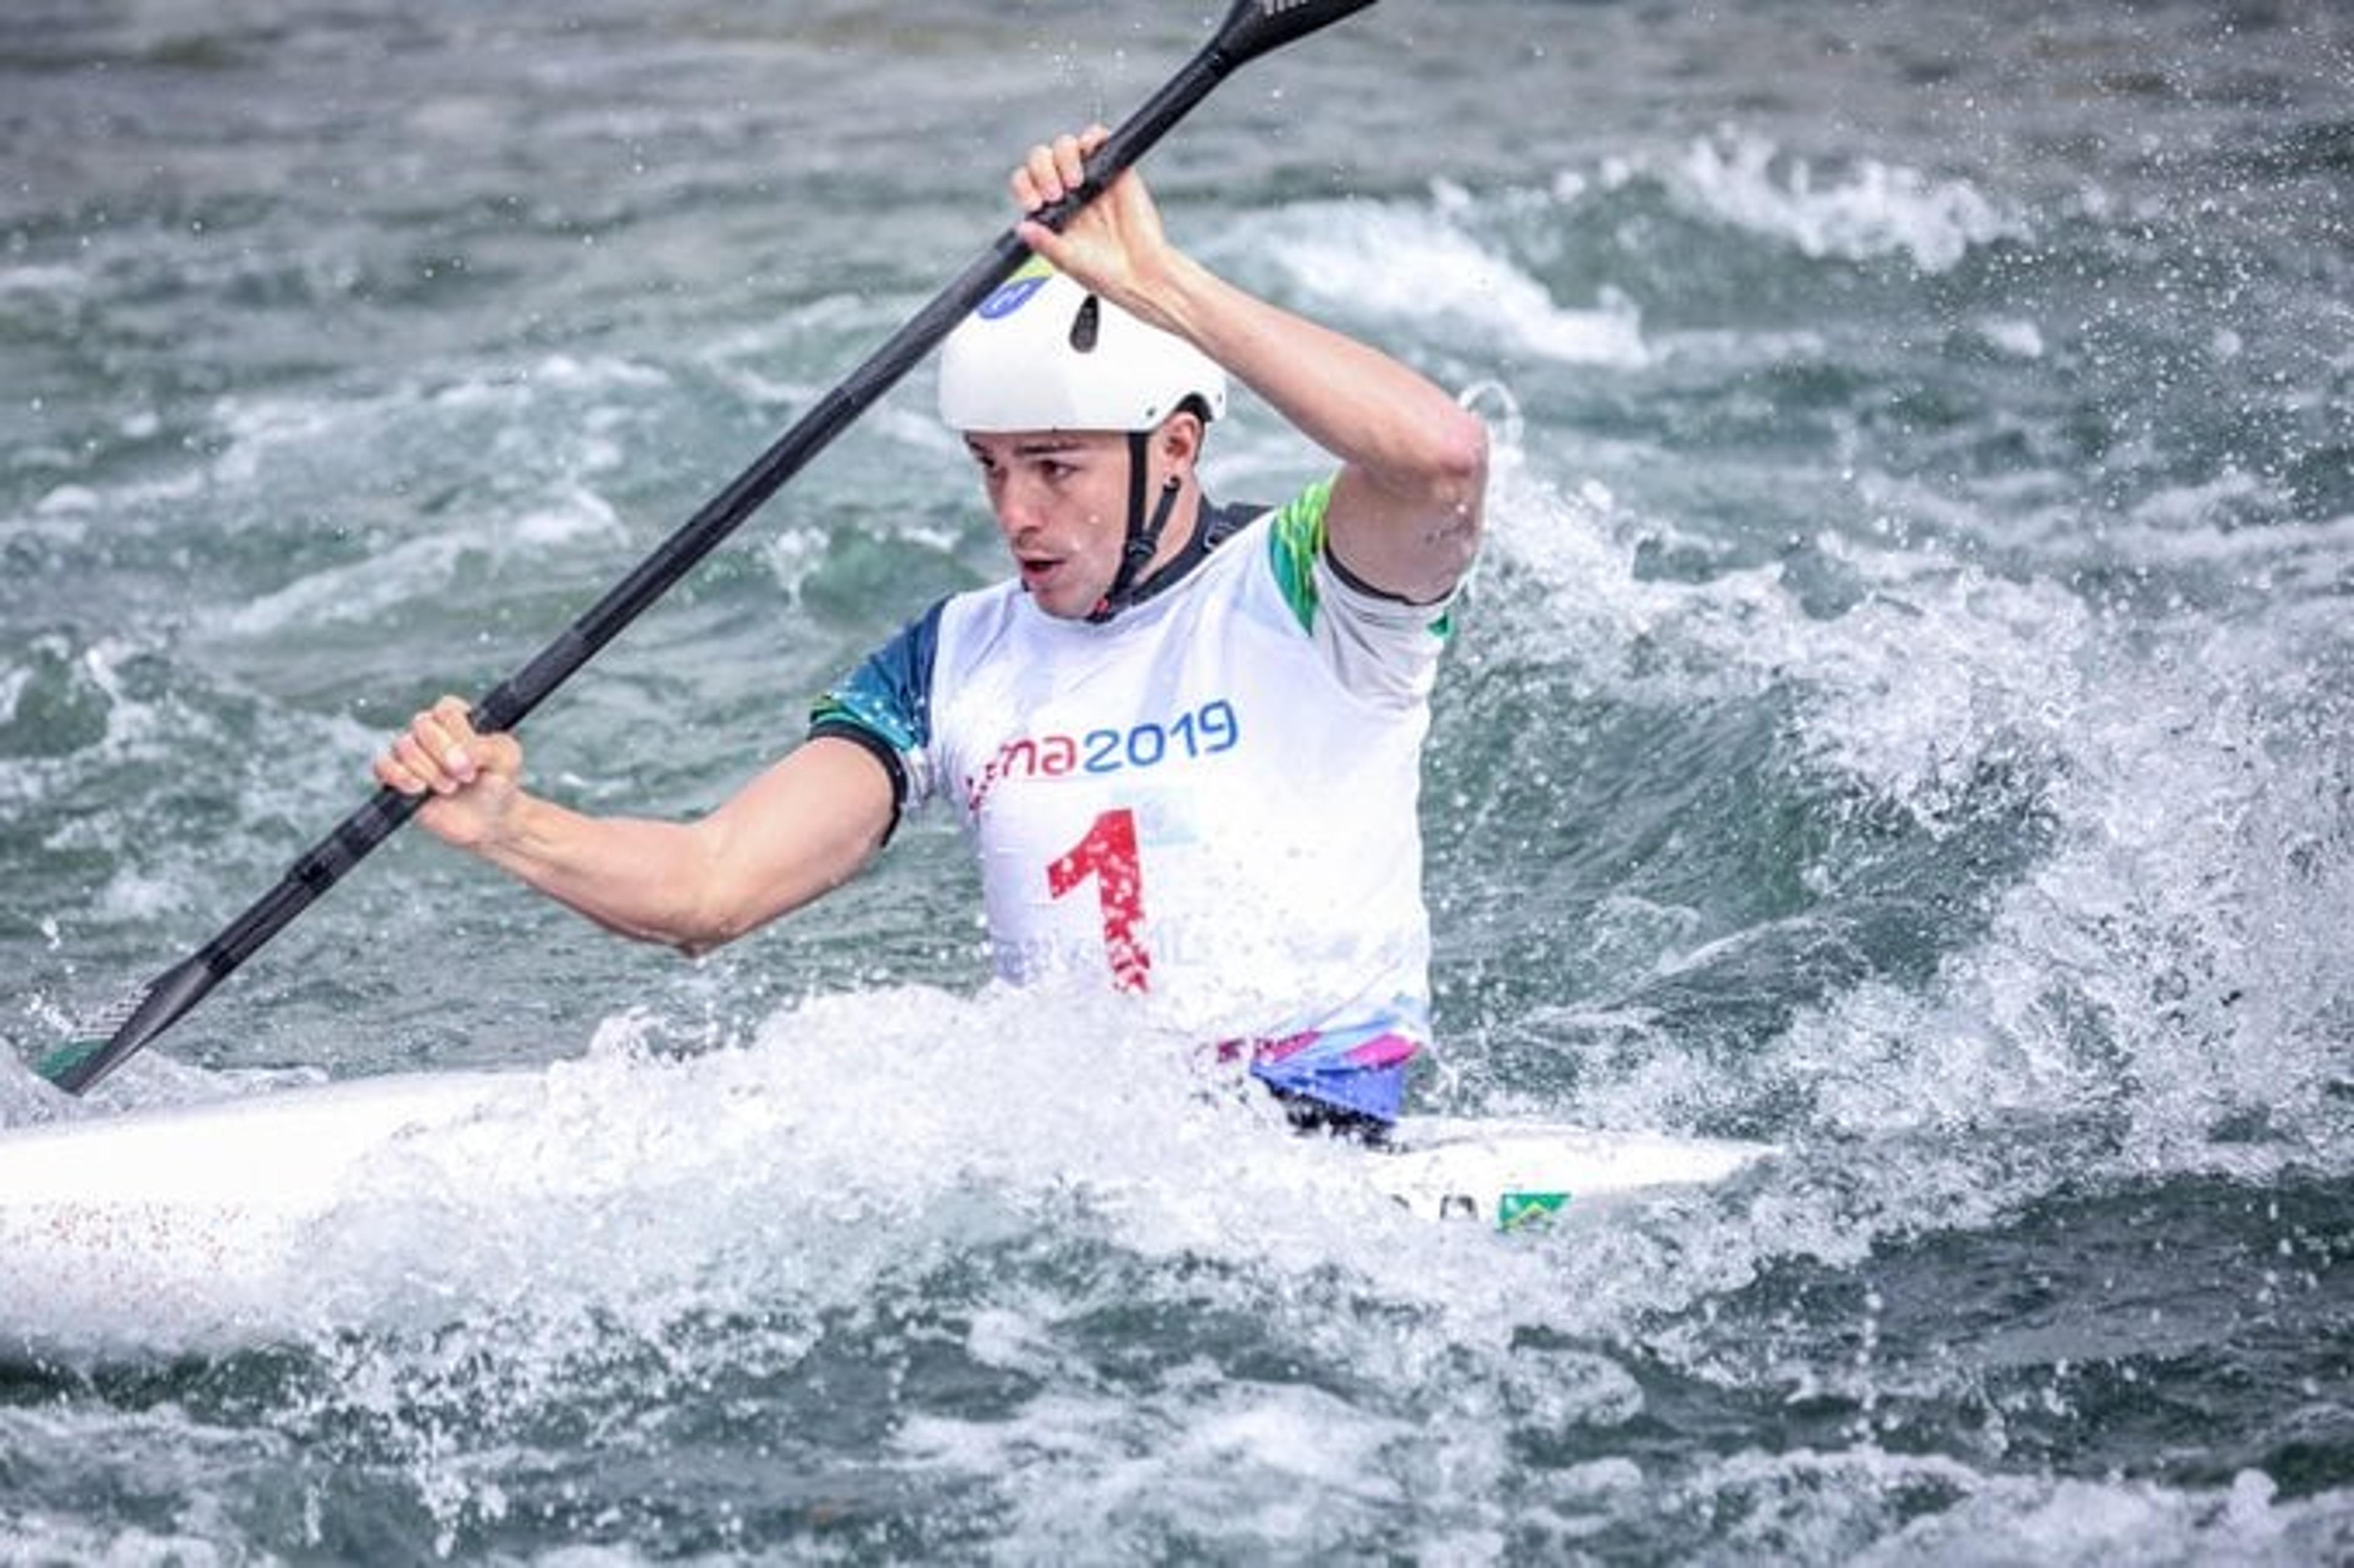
(1209, 800)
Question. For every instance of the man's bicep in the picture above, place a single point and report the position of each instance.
(801, 829)
(1411, 548)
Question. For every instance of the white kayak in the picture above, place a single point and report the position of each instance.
(203, 1214)
(197, 1213)
(1510, 1173)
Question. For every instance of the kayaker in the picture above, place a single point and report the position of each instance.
(1185, 738)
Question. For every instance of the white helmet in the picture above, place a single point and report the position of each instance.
(1043, 354)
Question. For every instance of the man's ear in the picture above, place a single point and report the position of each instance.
(1180, 440)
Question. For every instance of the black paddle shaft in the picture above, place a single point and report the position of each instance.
(1252, 28)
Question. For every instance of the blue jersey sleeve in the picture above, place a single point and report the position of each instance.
(886, 706)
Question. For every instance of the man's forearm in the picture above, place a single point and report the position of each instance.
(1407, 508)
(1358, 404)
(639, 878)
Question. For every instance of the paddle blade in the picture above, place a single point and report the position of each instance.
(1254, 27)
(90, 1056)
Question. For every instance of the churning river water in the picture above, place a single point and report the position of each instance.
(1904, 713)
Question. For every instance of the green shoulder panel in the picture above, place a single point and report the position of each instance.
(1295, 538)
(1294, 543)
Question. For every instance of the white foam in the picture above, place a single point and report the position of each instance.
(162, 1448)
(421, 567)
(2162, 960)
(2011, 335)
(51, 281)
(1249, 1466)
(860, 1131)
(1408, 264)
(1871, 210)
(1903, 689)
(575, 513)
(2165, 958)
(356, 590)
(77, 499)
(2064, 1521)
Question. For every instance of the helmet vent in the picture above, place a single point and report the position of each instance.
(1086, 324)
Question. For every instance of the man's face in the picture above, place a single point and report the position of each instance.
(1061, 501)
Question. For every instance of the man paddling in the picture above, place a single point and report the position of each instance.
(1185, 738)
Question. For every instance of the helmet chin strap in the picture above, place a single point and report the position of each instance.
(1143, 531)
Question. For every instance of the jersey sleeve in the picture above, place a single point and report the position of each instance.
(886, 706)
(1381, 647)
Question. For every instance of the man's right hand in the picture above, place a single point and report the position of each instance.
(473, 779)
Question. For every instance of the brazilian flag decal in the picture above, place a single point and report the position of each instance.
(1514, 1209)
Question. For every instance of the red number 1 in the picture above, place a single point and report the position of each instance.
(1109, 855)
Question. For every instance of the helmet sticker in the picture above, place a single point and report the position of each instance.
(1015, 292)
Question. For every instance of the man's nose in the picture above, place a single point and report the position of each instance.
(1015, 502)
